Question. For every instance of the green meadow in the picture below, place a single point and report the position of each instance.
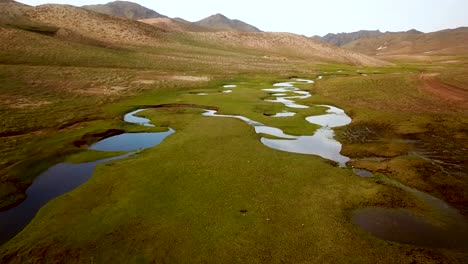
(212, 192)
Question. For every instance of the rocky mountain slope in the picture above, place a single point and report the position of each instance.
(175, 24)
(124, 9)
(92, 25)
(135, 11)
(88, 27)
(344, 38)
(286, 44)
(12, 12)
(220, 22)
(445, 42)
(412, 42)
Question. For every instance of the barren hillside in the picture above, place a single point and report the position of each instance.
(219, 22)
(12, 12)
(88, 27)
(341, 39)
(287, 44)
(170, 24)
(124, 9)
(446, 42)
(94, 25)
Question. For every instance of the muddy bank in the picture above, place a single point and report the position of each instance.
(434, 161)
(435, 225)
(90, 138)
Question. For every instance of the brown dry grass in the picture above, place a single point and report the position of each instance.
(446, 42)
(287, 44)
(169, 24)
(93, 25)
(87, 27)
(451, 93)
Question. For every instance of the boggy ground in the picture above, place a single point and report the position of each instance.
(405, 130)
(212, 192)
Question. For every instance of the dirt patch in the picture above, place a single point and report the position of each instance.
(190, 78)
(119, 88)
(145, 82)
(18, 102)
(97, 91)
(434, 161)
(366, 132)
(432, 85)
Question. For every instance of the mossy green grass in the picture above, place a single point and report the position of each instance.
(210, 193)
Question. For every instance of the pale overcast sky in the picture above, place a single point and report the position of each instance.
(314, 17)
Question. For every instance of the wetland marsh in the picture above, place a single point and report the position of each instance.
(240, 157)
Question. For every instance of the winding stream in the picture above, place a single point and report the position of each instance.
(322, 143)
(65, 177)
(448, 228)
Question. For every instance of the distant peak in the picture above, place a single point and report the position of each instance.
(124, 9)
(414, 31)
(219, 15)
(220, 22)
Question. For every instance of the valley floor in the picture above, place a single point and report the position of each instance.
(212, 192)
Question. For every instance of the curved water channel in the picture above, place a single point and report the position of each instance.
(448, 227)
(322, 143)
(65, 177)
(400, 225)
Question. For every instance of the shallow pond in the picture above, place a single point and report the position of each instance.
(449, 229)
(445, 227)
(65, 177)
(363, 173)
(131, 141)
(57, 180)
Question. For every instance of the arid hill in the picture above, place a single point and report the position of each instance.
(216, 23)
(12, 12)
(445, 42)
(130, 10)
(93, 25)
(175, 24)
(219, 22)
(124, 9)
(287, 44)
(76, 24)
(341, 39)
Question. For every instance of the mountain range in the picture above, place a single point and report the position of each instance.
(79, 25)
(135, 11)
(124, 9)
(341, 39)
(219, 22)
(369, 42)
(390, 45)
(123, 23)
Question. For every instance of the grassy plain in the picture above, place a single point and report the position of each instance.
(421, 137)
(216, 194)
(212, 192)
